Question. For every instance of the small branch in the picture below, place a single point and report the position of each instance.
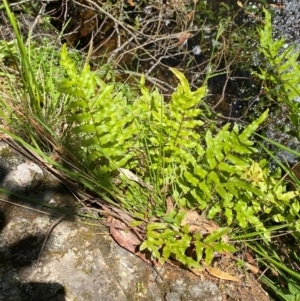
(160, 84)
(56, 222)
(37, 19)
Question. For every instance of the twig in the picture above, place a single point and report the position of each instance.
(56, 222)
(160, 84)
(36, 20)
(26, 207)
(113, 54)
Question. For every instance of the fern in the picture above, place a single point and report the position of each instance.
(220, 176)
(100, 119)
(283, 71)
(171, 130)
(178, 160)
(166, 240)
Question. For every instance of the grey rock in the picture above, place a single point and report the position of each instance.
(193, 290)
(24, 176)
(80, 262)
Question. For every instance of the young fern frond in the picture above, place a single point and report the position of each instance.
(100, 120)
(285, 69)
(171, 129)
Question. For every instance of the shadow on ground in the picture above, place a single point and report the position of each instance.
(16, 256)
(20, 249)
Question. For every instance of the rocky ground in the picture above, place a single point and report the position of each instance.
(48, 256)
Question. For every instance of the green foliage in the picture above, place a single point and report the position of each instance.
(99, 118)
(8, 52)
(294, 290)
(29, 81)
(168, 146)
(215, 173)
(282, 75)
(287, 288)
(283, 71)
(170, 134)
(292, 293)
(172, 240)
(175, 157)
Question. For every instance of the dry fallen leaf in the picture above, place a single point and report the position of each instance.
(123, 215)
(125, 234)
(249, 258)
(165, 189)
(219, 274)
(126, 240)
(182, 37)
(109, 219)
(131, 176)
(253, 268)
(198, 272)
(277, 5)
(190, 15)
(240, 4)
(170, 204)
(197, 223)
(130, 2)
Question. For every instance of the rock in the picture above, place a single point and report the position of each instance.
(24, 176)
(80, 260)
(193, 291)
